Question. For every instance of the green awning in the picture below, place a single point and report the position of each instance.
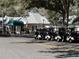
(18, 23)
(10, 22)
(15, 23)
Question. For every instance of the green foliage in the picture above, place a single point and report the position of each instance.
(18, 7)
(53, 17)
(11, 8)
(59, 6)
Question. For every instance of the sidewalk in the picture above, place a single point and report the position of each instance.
(22, 35)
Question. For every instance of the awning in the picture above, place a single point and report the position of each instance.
(10, 23)
(15, 23)
(18, 23)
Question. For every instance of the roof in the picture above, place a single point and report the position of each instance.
(15, 23)
(36, 18)
(71, 19)
(33, 18)
(17, 19)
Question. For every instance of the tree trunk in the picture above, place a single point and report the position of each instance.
(64, 14)
(67, 16)
(68, 5)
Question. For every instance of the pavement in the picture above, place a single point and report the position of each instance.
(29, 48)
(21, 48)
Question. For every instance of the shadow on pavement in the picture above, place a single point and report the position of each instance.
(31, 42)
(64, 52)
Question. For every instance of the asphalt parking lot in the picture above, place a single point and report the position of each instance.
(29, 48)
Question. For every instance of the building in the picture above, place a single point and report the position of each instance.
(35, 20)
(70, 21)
(18, 24)
(12, 24)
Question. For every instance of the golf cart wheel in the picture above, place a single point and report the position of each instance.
(70, 39)
(47, 38)
(58, 38)
(39, 37)
(62, 40)
(35, 38)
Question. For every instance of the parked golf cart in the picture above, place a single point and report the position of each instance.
(38, 34)
(49, 33)
(44, 33)
(74, 35)
(69, 37)
(59, 33)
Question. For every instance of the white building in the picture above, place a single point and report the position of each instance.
(35, 20)
(32, 21)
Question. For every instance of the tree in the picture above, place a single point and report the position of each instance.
(59, 6)
(11, 8)
(53, 17)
